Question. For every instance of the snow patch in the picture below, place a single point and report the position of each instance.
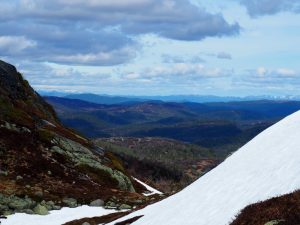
(56, 217)
(152, 191)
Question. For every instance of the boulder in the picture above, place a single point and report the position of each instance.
(70, 202)
(18, 204)
(274, 222)
(124, 207)
(40, 210)
(97, 203)
(86, 223)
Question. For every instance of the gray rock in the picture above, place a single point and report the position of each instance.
(124, 207)
(139, 201)
(56, 207)
(40, 210)
(19, 177)
(28, 211)
(274, 222)
(18, 204)
(48, 206)
(86, 223)
(97, 203)
(70, 202)
(110, 205)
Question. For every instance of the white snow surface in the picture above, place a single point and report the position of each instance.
(267, 166)
(56, 217)
(152, 191)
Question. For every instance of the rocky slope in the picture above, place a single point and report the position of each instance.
(44, 165)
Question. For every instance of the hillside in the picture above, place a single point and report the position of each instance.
(222, 127)
(166, 164)
(266, 167)
(44, 165)
(283, 210)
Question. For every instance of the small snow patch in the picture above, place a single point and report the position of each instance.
(152, 191)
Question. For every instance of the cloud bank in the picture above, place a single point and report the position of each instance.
(100, 33)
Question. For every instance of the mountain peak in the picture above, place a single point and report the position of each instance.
(19, 103)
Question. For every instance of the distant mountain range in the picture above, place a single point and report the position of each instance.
(110, 99)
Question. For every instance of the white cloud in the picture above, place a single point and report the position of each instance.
(15, 44)
(177, 71)
(286, 72)
(101, 58)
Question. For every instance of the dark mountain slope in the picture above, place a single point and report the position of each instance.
(40, 159)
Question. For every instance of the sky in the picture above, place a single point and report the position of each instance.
(155, 47)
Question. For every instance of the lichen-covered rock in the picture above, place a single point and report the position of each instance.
(274, 222)
(97, 203)
(124, 207)
(56, 207)
(28, 211)
(81, 155)
(15, 203)
(40, 210)
(70, 202)
(86, 223)
(49, 205)
(111, 205)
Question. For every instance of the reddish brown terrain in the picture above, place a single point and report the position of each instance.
(284, 210)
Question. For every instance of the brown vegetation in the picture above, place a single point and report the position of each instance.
(285, 210)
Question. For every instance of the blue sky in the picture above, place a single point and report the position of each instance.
(155, 47)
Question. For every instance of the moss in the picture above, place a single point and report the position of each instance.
(274, 222)
(116, 163)
(98, 175)
(45, 135)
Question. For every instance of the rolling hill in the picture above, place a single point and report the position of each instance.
(222, 127)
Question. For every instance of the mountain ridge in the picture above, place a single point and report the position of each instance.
(124, 99)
